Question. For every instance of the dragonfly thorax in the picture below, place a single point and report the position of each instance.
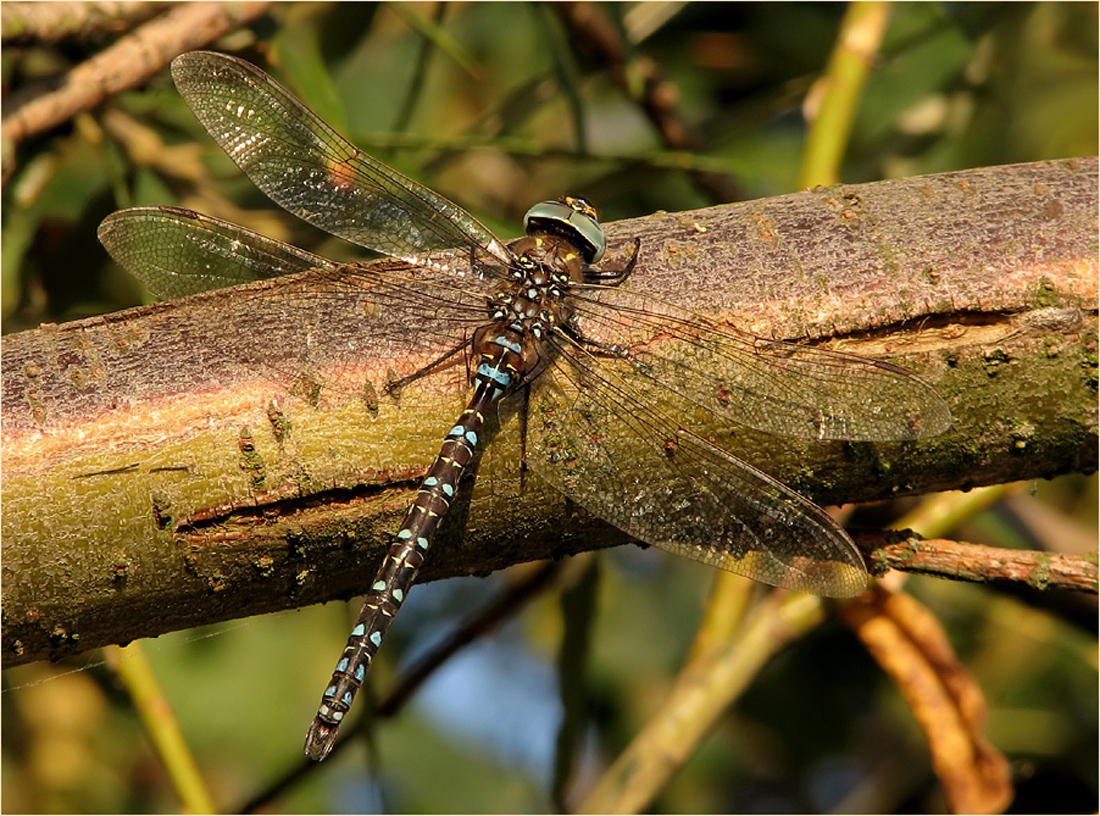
(563, 237)
(545, 267)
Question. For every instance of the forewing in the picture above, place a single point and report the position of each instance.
(780, 388)
(598, 441)
(303, 165)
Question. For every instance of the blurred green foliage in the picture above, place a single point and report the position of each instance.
(497, 106)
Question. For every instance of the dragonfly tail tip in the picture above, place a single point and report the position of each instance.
(320, 740)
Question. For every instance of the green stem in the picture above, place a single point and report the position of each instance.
(137, 676)
(836, 95)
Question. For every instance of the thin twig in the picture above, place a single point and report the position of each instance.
(135, 672)
(832, 103)
(961, 561)
(127, 63)
(42, 23)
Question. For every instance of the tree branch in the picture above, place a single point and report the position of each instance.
(150, 485)
(127, 63)
(978, 563)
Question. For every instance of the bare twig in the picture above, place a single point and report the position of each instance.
(703, 691)
(979, 563)
(55, 22)
(136, 675)
(129, 62)
(831, 105)
(504, 605)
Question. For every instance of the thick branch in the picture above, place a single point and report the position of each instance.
(151, 485)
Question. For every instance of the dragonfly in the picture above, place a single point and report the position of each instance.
(599, 377)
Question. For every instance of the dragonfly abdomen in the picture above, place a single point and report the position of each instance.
(501, 359)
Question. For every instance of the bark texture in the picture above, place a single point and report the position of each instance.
(152, 482)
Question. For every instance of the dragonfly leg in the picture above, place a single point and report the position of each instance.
(612, 276)
(430, 368)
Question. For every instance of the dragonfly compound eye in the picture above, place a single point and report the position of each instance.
(577, 225)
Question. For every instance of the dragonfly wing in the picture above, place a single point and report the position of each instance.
(303, 165)
(596, 440)
(177, 252)
(336, 329)
(780, 388)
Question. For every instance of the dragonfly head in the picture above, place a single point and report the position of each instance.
(572, 218)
